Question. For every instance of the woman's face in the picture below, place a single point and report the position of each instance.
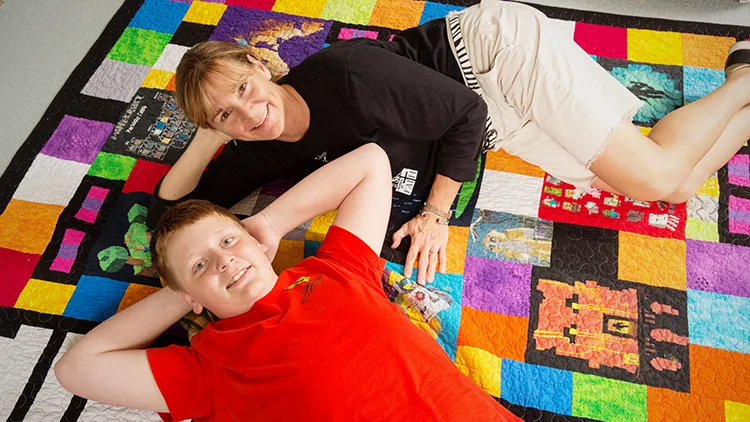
(250, 110)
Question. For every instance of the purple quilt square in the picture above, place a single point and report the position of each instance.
(278, 40)
(718, 267)
(77, 139)
(497, 286)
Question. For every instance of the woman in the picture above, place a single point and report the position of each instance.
(545, 101)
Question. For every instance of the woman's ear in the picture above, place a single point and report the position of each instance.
(260, 66)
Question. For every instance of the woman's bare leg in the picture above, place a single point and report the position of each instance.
(653, 167)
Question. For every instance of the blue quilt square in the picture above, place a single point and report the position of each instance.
(537, 386)
(699, 82)
(434, 11)
(160, 15)
(95, 298)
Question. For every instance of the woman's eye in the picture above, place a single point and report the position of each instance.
(242, 87)
(224, 115)
(228, 241)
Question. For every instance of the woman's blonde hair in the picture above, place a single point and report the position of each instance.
(223, 63)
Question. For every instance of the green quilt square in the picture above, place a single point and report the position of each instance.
(139, 46)
(609, 400)
(112, 166)
(350, 11)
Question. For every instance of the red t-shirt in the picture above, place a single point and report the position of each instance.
(324, 345)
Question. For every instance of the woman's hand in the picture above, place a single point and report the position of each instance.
(259, 227)
(429, 241)
(212, 136)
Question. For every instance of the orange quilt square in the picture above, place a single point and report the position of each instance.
(28, 226)
(456, 251)
(134, 294)
(502, 335)
(397, 14)
(502, 161)
(705, 51)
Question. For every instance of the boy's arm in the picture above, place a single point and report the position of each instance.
(109, 364)
(357, 184)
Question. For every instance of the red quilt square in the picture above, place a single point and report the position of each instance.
(145, 176)
(252, 4)
(604, 41)
(17, 269)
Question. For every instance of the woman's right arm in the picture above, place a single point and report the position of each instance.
(185, 174)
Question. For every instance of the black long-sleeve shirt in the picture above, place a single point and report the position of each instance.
(405, 95)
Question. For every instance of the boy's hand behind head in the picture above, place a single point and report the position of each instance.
(261, 228)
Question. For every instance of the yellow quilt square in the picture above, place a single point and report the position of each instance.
(481, 366)
(655, 46)
(710, 188)
(134, 293)
(502, 161)
(397, 14)
(205, 13)
(736, 412)
(45, 297)
(309, 8)
(705, 51)
(653, 261)
(158, 79)
(320, 225)
(458, 241)
(28, 226)
(290, 253)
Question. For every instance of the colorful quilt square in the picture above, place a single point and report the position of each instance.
(659, 86)
(170, 57)
(585, 250)
(660, 47)
(397, 14)
(537, 386)
(510, 237)
(95, 298)
(159, 15)
(653, 261)
(68, 251)
(309, 8)
(510, 193)
(122, 250)
(319, 226)
(45, 297)
(456, 250)
(157, 79)
(92, 204)
(77, 139)
(50, 180)
(738, 170)
(253, 4)
(349, 33)
(17, 269)
(601, 40)
(497, 286)
(434, 11)
(289, 254)
(112, 166)
(28, 226)
(116, 80)
(704, 208)
(611, 328)
(502, 161)
(736, 412)
(139, 46)
(152, 128)
(481, 366)
(739, 215)
(501, 335)
(609, 400)
(668, 405)
(718, 268)
(311, 248)
(134, 294)
(351, 11)
(720, 321)
(205, 13)
(705, 50)
(700, 82)
(190, 34)
(279, 41)
(144, 176)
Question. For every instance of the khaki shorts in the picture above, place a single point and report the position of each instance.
(551, 104)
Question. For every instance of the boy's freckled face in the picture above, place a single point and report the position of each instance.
(219, 266)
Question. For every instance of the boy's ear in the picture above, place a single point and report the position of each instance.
(197, 307)
(260, 66)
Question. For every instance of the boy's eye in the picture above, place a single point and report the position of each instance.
(199, 266)
(242, 87)
(224, 115)
(228, 241)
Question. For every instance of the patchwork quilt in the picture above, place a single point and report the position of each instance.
(561, 307)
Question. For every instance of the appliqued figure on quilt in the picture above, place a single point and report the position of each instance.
(511, 237)
(137, 240)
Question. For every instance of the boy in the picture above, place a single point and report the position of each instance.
(319, 342)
